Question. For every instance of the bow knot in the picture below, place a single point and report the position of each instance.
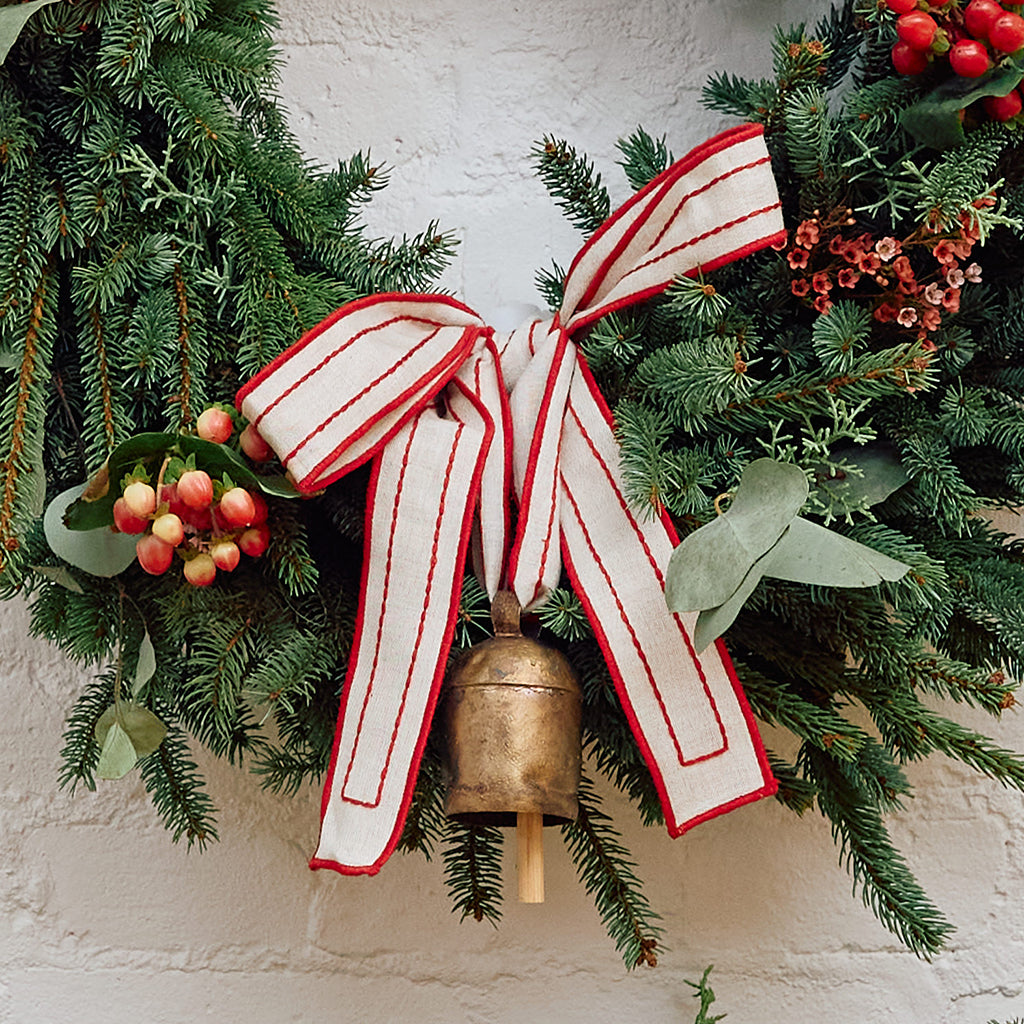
(458, 419)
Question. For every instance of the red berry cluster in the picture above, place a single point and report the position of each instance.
(824, 254)
(209, 522)
(973, 39)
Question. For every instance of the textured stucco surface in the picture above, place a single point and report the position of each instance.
(103, 920)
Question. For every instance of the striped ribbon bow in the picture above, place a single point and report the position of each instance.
(457, 418)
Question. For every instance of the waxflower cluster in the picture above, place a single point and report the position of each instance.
(207, 521)
(828, 257)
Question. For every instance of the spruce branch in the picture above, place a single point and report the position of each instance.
(472, 868)
(573, 183)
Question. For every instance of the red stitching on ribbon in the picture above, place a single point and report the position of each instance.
(369, 387)
(380, 619)
(605, 469)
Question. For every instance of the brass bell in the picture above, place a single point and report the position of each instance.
(512, 709)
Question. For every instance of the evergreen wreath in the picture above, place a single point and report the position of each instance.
(163, 238)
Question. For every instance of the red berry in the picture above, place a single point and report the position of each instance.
(169, 497)
(236, 507)
(908, 61)
(1006, 33)
(1002, 108)
(126, 520)
(969, 58)
(214, 425)
(901, 6)
(169, 529)
(254, 541)
(225, 555)
(153, 554)
(200, 571)
(251, 442)
(195, 488)
(200, 518)
(917, 29)
(140, 499)
(979, 15)
(260, 504)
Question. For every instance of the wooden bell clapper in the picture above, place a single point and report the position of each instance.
(512, 713)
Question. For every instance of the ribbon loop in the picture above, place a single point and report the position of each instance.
(459, 419)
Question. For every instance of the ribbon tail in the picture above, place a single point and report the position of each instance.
(688, 712)
(419, 513)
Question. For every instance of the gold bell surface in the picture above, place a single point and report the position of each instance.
(512, 711)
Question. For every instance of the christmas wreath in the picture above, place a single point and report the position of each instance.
(854, 390)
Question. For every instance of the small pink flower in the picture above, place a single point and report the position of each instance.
(885, 313)
(848, 277)
(929, 346)
(930, 319)
(797, 258)
(907, 316)
(887, 248)
(800, 287)
(781, 242)
(807, 233)
(902, 269)
(869, 262)
(821, 282)
(837, 245)
(954, 277)
(945, 251)
(823, 304)
(951, 300)
(933, 293)
(973, 273)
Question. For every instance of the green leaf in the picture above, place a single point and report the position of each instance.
(118, 756)
(880, 474)
(100, 551)
(12, 21)
(216, 459)
(145, 731)
(709, 565)
(809, 553)
(935, 121)
(59, 574)
(146, 665)
(713, 622)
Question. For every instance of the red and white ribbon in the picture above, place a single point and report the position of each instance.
(457, 419)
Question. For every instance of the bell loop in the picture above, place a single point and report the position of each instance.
(505, 612)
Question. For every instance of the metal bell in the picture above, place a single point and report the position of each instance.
(512, 711)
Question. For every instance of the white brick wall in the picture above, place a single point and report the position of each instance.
(104, 922)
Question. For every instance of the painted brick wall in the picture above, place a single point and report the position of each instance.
(104, 921)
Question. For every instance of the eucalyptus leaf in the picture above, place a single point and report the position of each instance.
(118, 756)
(713, 622)
(146, 665)
(808, 553)
(711, 563)
(100, 551)
(878, 473)
(936, 120)
(143, 728)
(12, 21)
(59, 574)
(97, 508)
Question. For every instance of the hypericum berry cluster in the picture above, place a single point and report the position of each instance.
(208, 522)
(973, 39)
(826, 258)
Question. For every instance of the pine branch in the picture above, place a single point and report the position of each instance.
(472, 868)
(573, 183)
(606, 871)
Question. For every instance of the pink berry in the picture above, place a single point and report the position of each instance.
(169, 497)
(260, 504)
(969, 58)
(225, 555)
(255, 540)
(195, 488)
(901, 6)
(1003, 108)
(251, 442)
(908, 61)
(1006, 33)
(169, 529)
(917, 29)
(140, 499)
(126, 521)
(200, 571)
(214, 425)
(979, 15)
(236, 507)
(154, 555)
(200, 519)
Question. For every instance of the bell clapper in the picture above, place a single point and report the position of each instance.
(530, 847)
